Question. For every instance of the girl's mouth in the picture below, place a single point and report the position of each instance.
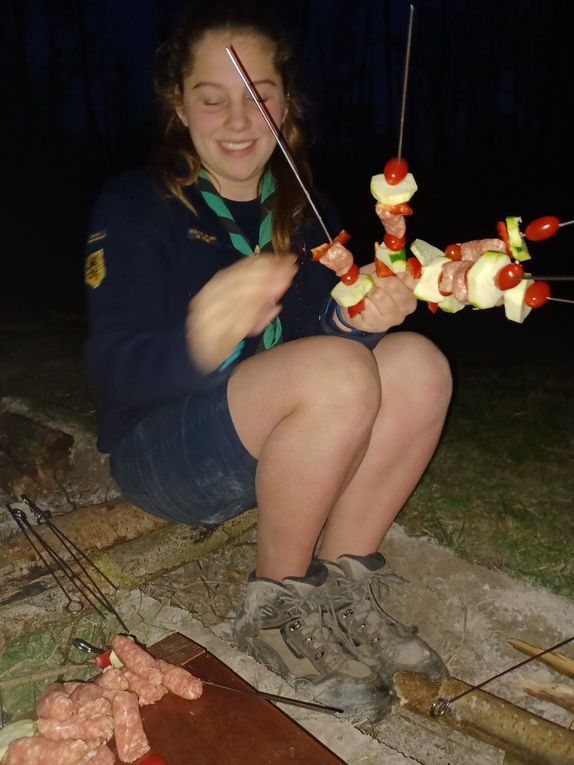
(236, 145)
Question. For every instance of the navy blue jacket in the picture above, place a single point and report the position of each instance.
(148, 256)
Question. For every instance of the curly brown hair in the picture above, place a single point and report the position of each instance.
(176, 163)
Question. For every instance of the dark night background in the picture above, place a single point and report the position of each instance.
(488, 131)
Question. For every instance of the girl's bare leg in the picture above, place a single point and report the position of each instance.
(305, 411)
(416, 389)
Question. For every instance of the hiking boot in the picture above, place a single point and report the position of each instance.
(356, 588)
(282, 626)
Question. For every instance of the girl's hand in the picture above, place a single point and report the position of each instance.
(237, 302)
(387, 304)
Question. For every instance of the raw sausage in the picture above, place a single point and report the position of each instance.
(100, 756)
(131, 740)
(55, 702)
(136, 659)
(89, 701)
(179, 681)
(37, 750)
(98, 729)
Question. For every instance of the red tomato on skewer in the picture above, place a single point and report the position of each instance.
(454, 252)
(542, 228)
(394, 243)
(537, 294)
(351, 276)
(509, 276)
(395, 170)
(151, 759)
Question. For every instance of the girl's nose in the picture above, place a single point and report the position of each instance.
(238, 115)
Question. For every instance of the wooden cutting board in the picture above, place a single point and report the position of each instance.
(223, 727)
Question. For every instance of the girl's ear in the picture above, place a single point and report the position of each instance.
(178, 103)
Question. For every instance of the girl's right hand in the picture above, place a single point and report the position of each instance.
(237, 302)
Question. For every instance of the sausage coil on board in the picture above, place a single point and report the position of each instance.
(136, 659)
(90, 701)
(37, 750)
(101, 756)
(99, 729)
(147, 693)
(55, 702)
(179, 681)
(131, 740)
(112, 679)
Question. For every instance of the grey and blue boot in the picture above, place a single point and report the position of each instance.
(355, 588)
(283, 626)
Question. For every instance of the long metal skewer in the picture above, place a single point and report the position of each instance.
(405, 82)
(90, 590)
(253, 92)
(441, 705)
(550, 278)
(83, 645)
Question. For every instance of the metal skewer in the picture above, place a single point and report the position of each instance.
(248, 82)
(550, 278)
(441, 705)
(83, 645)
(405, 81)
(89, 589)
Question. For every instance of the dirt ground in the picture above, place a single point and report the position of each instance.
(465, 611)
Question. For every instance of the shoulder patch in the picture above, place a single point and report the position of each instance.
(95, 269)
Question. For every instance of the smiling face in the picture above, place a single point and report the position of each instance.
(229, 133)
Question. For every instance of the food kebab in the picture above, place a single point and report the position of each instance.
(483, 273)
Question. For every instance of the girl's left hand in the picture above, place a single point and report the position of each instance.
(387, 304)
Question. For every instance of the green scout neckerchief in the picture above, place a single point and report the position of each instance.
(273, 331)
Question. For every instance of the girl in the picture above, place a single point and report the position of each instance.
(327, 429)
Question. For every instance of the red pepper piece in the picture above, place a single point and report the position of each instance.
(318, 252)
(355, 310)
(542, 228)
(151, 759)
(414, 267)
(433, 307)
(402, 209)
(502, 231)
(351, 276)
(103, 660)
(394, 243)
(454, 252)
(382, 269)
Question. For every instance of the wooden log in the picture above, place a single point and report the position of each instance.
(556, 693)
(96, 527)
(523, 735)
(557, 661)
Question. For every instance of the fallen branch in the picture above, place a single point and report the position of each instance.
(557, 661)
(15, 682)
(521, 734)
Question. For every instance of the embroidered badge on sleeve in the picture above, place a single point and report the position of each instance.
(95, 269)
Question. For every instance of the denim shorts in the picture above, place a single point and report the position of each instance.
(185, 462)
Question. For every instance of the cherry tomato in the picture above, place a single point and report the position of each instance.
(103, 660)
(414, 267)
(355, 310)
(151, 759)
(318, 252)
(394, 243)
(402, 209)
(509, 276)
(433, 307)
(537, 294)
(542, 228)
(382, 269)
(395, 170)
(454, 252)
(351, 276)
